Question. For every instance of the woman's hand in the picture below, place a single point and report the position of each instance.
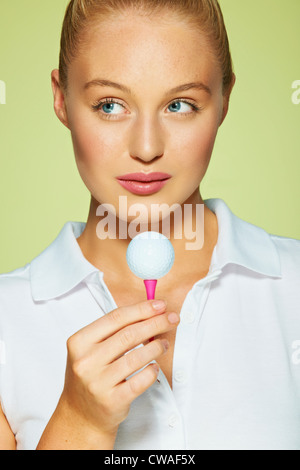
(98, 388)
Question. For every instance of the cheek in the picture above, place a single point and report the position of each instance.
(93, 144)
(89, 144)
(196, 145)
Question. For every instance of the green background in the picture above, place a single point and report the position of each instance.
(255, 164)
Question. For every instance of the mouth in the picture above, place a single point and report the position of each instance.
(142, 183)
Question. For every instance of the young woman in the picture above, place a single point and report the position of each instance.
(143, 87)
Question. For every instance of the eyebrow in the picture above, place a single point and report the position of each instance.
(185, 87)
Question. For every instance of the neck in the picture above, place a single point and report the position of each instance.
(193, 236)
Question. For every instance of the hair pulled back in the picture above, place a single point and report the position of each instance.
(203, 14)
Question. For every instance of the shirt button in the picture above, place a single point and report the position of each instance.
(172, 421)
(180, 376)
(189, 317)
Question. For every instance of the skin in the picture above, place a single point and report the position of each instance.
(143, 135)
(149, 56)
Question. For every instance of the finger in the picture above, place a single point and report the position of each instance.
(117, 319)
(135, 360)
(135, 334)
(129, 390)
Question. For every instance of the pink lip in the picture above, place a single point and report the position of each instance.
(144, 184)
(144, 177)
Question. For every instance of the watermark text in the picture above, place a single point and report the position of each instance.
(296, 354)
(2, 92)
(182, 223)
(296, 94)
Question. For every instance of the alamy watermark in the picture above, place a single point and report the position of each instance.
(296, 354)
(113, 225)
(2, 92)
(296, 94)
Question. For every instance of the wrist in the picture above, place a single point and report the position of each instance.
(70, 430)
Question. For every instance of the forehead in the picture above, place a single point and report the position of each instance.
(133, 48)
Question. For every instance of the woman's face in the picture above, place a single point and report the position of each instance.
(141, 124)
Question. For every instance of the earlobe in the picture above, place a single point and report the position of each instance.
(59, 99)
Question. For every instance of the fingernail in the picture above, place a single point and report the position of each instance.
(159, 304)
(173, 318)
(155, 367)
(166, 344)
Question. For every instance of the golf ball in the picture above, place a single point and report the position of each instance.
(150, 255)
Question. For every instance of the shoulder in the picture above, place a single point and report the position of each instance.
(15, 294)
(288, 250)
(286, 245)
(15, 283)
(36, 280)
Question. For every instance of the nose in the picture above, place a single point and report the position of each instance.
(146, 139)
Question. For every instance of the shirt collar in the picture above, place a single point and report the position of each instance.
(242, 243)
(62, 266)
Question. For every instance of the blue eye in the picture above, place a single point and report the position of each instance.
(179, 106)
(109, 108)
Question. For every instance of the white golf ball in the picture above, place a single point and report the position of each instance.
(150, 255)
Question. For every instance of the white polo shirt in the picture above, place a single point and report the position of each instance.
(236, 370)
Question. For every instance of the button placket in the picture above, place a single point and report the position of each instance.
(180, 376)
(167, 412)
(186, 339)
(173, 420)
(188, 317)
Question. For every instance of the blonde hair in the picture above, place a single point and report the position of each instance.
(204, 14)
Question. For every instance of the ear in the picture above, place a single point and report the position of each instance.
(226, 99)
(59, 99)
